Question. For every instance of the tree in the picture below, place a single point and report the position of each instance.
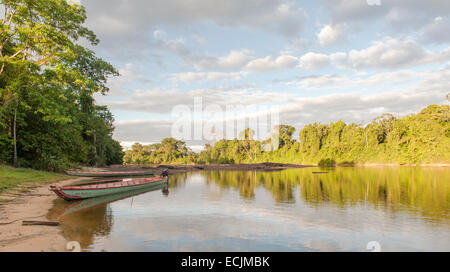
(46, 84)
(382, 126)
(285, 133)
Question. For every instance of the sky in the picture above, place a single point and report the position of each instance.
(310, 61)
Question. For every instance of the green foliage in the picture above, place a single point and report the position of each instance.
(11, 177)
(416, 138)
(327, 162)
(420, 138)
(47, 83)
(169, 150)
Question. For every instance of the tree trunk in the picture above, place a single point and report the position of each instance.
(15, 136)
(95, 148)
(367, 144)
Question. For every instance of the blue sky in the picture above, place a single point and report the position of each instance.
(317, 61)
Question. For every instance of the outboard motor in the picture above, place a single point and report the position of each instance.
(165, 173)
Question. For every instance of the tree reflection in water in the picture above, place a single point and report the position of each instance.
(425, 189)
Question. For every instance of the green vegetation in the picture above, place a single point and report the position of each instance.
(419, 138)
(11, 177)
(48, 116)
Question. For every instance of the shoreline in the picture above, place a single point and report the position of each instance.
(37, 202)
(182, 168)
(34, 204)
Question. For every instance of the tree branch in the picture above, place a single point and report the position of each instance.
(17, 53)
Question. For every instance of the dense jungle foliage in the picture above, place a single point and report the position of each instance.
(48, 116)
(419, 138)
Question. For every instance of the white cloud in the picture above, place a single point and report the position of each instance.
(176, 46)
(316, 80)
(209, 76)
(150, 101)
(146, 131)
(244, 59)
(118, 85)
(313, 60)
(279, 16)
(340, 81)
(124, 27)
(271, 63)
(236, 59)
(395, 15)
(390, 53)
(438, 30)
(330, 34)
(357, 107)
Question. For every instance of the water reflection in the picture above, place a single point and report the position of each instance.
(424, 189)
(405, 208)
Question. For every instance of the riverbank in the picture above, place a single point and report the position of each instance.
(181, 168)
(31, 205)
(24, 195)
(11, 178)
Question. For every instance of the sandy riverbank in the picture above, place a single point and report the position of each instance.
(32, 205)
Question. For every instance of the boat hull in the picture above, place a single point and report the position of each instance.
(111, 174)
(89, 191)
(93, 202)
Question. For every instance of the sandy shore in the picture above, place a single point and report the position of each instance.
(32, 205)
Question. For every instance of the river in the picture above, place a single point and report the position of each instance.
(339, 209)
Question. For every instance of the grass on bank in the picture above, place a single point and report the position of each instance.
(11, 177)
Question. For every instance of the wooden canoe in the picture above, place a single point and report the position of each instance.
(101, 189)
(110, 173)
(86, 204)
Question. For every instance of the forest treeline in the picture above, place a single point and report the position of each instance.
(48, 116)
(418, 138)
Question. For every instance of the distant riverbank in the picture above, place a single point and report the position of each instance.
(267, 166)
(180, 168)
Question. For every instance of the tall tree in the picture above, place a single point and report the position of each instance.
(47, 78)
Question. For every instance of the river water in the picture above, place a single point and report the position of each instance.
(400, 208)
